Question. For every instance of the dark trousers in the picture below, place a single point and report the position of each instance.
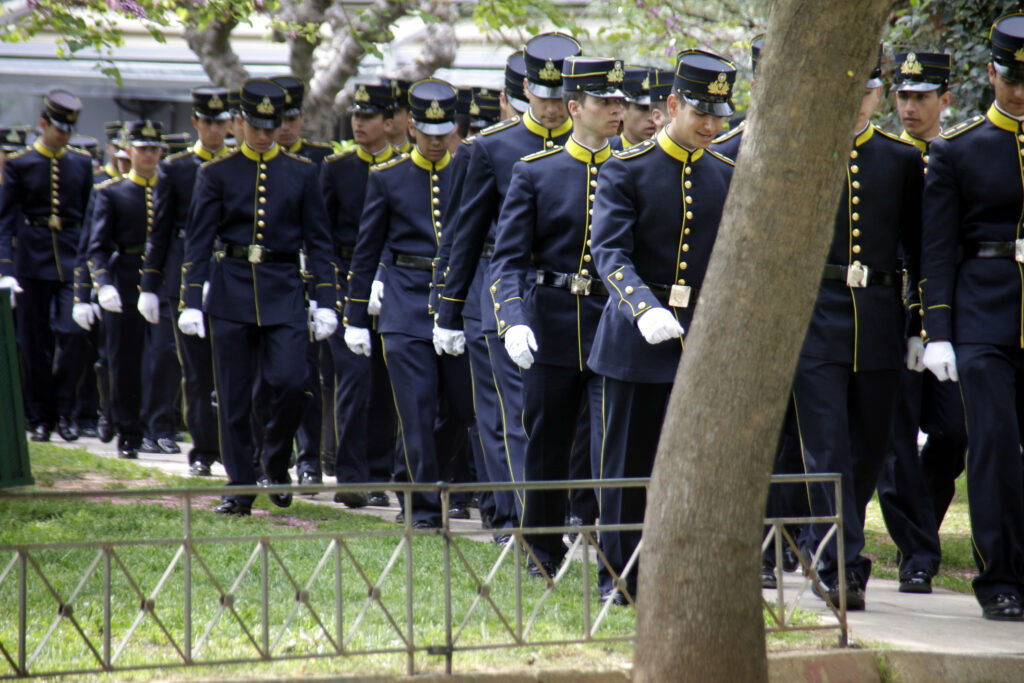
(351, 410)
(845, 422)
(904, 489)
(633, 415)
(243, 354)
(52, 347)
(200, 416)
(992, 381)
(585, 463)
(551, 399)
(422, 381)
(126, 336)
(102, 370)
(787, 500)
(307, 438)
(87, 400)
(382, 436)
(161, 377)
(508, 382)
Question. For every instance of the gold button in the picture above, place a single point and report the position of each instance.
(493, 289)
(56, 201)
(618, 276)
(682, 265)
(584, 272)
(348, 277)
(590, 212)
(261, 188)
(921, 313)
(642, 304)
(434, 177)
(856, 263)
(259, 235)
(593, 183)
(854, 169)
(435, 201)
(686, 231)
(686, 247)
(497, 307)
(263, 176)
(592, 197)
(345, 319)
(263, 200)
(437, 212)
(435, 189)
(855, 216)
(687, 184)
(588, 243)
(593, 169)
(261, 224)
(549, 144)
(682, 281)
(337, 286)
(856, 249)
(1021, 138)
(853, 154)
(855, 200)
(263, 166)
(687, 170)
(689, 199)
(586, 257)
(437, 225)
(689, 215)
(925, 158)
(924, 335)
(629, 289)
(439, 233)
(261, 212)
(856, 184)
(501, 322)
(856, 232)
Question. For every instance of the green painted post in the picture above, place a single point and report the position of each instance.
(14, 465)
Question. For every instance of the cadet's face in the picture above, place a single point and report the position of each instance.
(211, 132)
(432, 147)
(259, 139)
(867, 107)
(920, 111)
(659, 115)
(598, 116)
(145, 159)
(291, 128)
(690, 127)
(638, 122)
(1009, 94)
(507, 110)
(369, 131)
(549, 112)
(400, 123)
(53, 137)
(239, 129)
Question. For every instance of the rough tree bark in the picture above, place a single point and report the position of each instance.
(213, 48)
(300, 58)
(699, 615)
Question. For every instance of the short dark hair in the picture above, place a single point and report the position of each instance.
(573, 96)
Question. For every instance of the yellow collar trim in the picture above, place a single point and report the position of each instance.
(1001, 120)
(864, 136)
(915, 141)
(405, 147)
(581, 153)
(380, 157)
(426, 164)
(295, 146)
(46, 151)
(206, 154)
(111, 171)
(253, 155)
(677, 151)
(537, 128)
(142, 181)
(626, 142)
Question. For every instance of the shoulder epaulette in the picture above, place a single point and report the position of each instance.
(111, 181)
(636, 150)
(297, 157)
(344, 154)
(321, 145)
(78, 150)
(962, 127)
(895, 138)
(179, 155)
(223, 157)
(99, 171)
(543, 153)
(731, 133)
(468, 141)
(720, 157)
(500, 125)
(20, 153)
(383, 166)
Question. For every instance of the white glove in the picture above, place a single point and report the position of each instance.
(376, 297)
(357, 339)
(915, 354)
(149, 307)
(453, 342)
(658, 325)
(436, 338)
(96, 311)
(109, 299)
(11, 283)
(940, 358)
(325, 322)
(519, 340)
(191, 322)
(84, 315)
(206, 290)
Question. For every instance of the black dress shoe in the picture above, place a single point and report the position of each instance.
(573, 520)
(768, 579)
(916, 582)
(40, 433)
(353, 500)
(425, 524)
(458, 511)
(281, 500)
(378, 499)
(67, 429)
(534, 570)
(233, 507)
(167, 446)
(199, 469)
(105, 429)
(148, 445)
(855, 599)
(307, 478)
(89, 431)
(502, 539)
(790, 562)
(1003, 607)
(614, 597)
(127, 452)
(400, 518)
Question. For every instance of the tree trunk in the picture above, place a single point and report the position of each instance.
(213, 47)
(699, 615)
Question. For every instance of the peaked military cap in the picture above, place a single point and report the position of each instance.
(176, 142)
(87, 143)
(464, 98)
(61, 108)
(544, 55)
(515, 72)
(593, 76)
(704, 80)
(660, 84)
(293, 91)
(1007, 42)
(263, 103)
(921, 71)
(399, 91)
(112, 129)
(637, 85)
(235, 101)
(485, 107)
(755, 51)
(372, 99)
(210, 102)
(875, 80)
(12, 139)
(144, 133)
(432, 105)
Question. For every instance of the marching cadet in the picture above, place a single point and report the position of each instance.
(165, 252)
(43, 202)
(398, 132)
(728, 144)
(638, 122)
(513, 97)
(357, 380)
(294, 118)
(494, 153)
(914, 490)
(398, 218)
(121, 220)
(668, 191)
(262, 205)
(547, 299)
(660, 88)
(972, 296)
(11, 140)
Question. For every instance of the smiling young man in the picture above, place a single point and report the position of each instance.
(971, 295)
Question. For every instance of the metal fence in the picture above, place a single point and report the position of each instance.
(349, 604)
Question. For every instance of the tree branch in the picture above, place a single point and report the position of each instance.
(218, 58)
(301, 12)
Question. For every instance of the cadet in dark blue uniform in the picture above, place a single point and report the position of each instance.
(972, 298)
(659, 194)
(547, 297)
(495, 152)
(911, 513)
(406, 212)
(262, 205)
(162, 270)
(638, 122)
(343, 179)
(728, 144)
(122, 218)
(398, 132)
(43, 202)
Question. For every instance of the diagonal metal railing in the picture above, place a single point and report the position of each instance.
(204, 611)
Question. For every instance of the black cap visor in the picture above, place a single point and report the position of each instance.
(260, 122)
(547, 92)
(716, 108)
(442, 128)
(1011, 73)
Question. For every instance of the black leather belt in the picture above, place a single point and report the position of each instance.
(861, 276)
(487, 251)
(44, 222)
(132, 249)
(413, 262)
(663, 293)
(990, 250)
(345, 252)
(580, 285)
(255, 253)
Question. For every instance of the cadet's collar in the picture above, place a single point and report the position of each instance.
(405, 147)
(46, 151)
(141, 180)
(252, 154)
(864, 136)
(626, 142)
(295, 146)
(677, 151)
(537, 128)
(915, 141)
(584, 154)
(1002, 120)
(426, 164)
(206, 154)
(377, 158)
(111, 171)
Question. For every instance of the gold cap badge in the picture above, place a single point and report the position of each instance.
(12, 136)
(362, 95)
(148, 130)
(646, 83)
(215, 102)
(266, 106)
(1019, 55)
(616, 75)
(474, 108)
(434, 111)
(549, 72)
(719, 86)
(484, 92)
(911, 66)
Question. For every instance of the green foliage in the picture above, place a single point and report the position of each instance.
(529, 16)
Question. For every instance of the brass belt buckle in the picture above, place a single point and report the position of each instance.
(580, 284)
(255, 253)
(54, 222)
(679, 296)
(1018, 250)
(856, 276)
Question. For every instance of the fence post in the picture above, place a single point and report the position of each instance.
(14, 464)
